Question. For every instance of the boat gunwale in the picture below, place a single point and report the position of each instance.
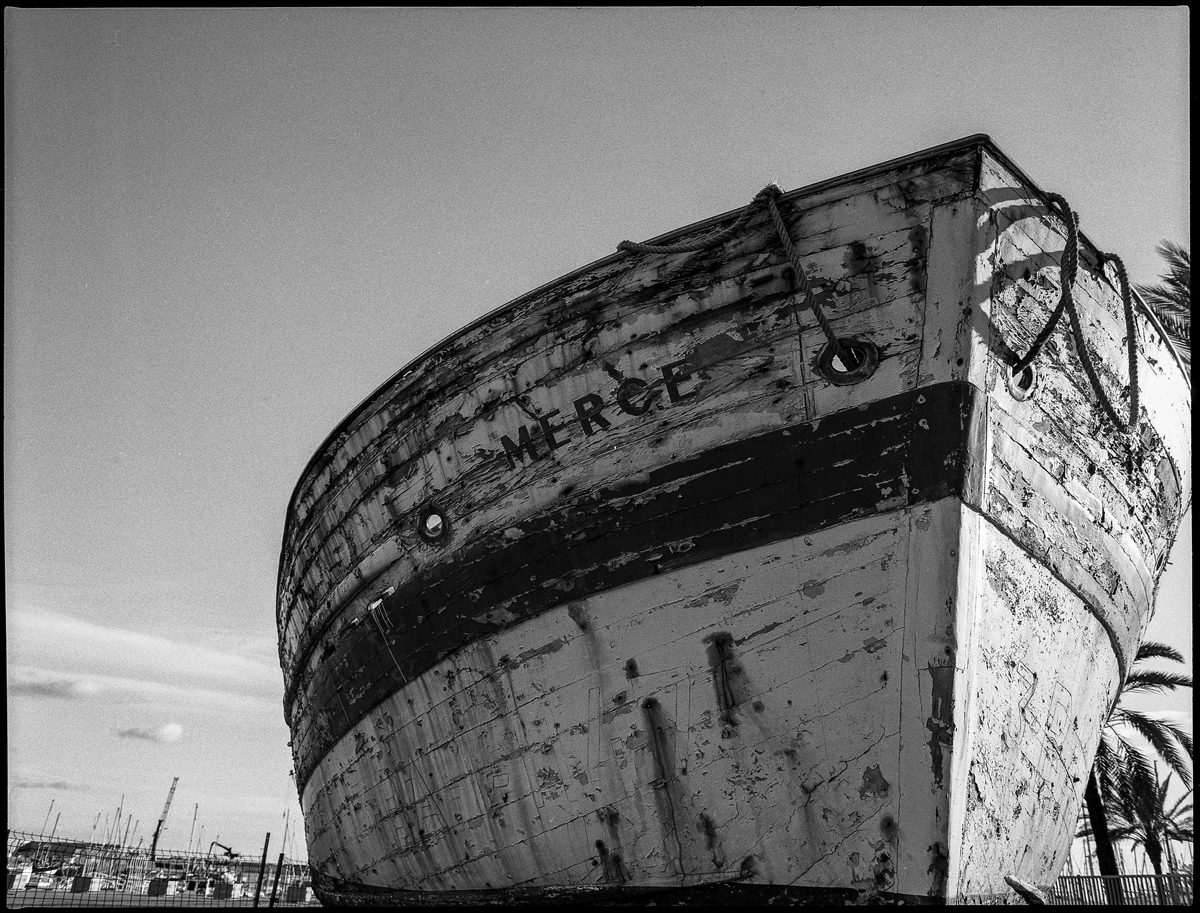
(977, 140)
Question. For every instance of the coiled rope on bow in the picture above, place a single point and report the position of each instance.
(1068, 269)
(768, 196)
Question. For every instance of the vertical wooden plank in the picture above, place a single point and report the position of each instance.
(932, 667)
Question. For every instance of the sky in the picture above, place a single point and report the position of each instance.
(225, 228)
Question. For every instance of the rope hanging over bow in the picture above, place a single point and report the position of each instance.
(767, 196)
(1068, 269)
(1068, 266)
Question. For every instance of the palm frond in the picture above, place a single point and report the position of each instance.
(1181, 824)
(1171, 298)
(1138, 784)
(1124, 779)
(1179, 266)
(1107, 767)
(1182, 815)
(1107, 746)
(1142, 817)
(1162, 791)
(1185, 739)
(1132, 798)
(1179, 809)
(1155, 680)
(1152, 649)
(1123, 832)
(1162, 737)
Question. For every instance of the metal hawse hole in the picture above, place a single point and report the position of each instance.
(433, 525)
(858, 361)
(1021, 384)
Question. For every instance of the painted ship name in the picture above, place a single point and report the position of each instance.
(633, 397)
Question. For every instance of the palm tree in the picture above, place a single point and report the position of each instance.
(1150, 824)
(1171, 298)
(1180, 816)
(1121, 771)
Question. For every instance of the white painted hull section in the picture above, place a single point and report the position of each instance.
(865, 652)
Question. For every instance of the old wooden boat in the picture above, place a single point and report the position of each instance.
(638, 583)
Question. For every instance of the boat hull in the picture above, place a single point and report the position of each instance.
(699, 616)
(771, 717)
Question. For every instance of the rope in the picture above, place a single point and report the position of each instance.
(1131, 328)
(1068, 268)
(798, 271)
(767, 195)
(704, 243)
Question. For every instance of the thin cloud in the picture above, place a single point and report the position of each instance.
(70, 689)
(33, 680)
(58, 641)
(47, 784)
(168, 732)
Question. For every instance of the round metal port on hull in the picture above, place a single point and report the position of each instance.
(855, 361)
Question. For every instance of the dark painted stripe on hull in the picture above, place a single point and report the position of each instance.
(884, 456)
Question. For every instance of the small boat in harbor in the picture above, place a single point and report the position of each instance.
(797, 554)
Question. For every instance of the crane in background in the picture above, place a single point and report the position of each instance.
(158, 829)
(228, 851)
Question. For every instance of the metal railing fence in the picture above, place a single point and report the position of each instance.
(61, 872)
(1127, 890)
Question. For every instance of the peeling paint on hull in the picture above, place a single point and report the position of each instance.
(702, 618)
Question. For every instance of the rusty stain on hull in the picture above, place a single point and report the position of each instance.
(699, 620)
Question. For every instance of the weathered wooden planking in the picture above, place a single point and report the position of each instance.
(1097, 506)
(819, 669)
(1036, 241)
(1040, 675)
(482, 447)
(949, 274)
(899, 186)
(493, 482)
(481, 728)
(1074, 521)
(844, 214)
(747, 492)
(560, 317)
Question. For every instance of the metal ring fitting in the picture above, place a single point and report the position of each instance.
(433, 525)
(1021, 384)
(858, 361)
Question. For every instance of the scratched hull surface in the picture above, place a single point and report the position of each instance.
(702, 617)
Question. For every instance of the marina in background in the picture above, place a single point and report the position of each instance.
(45, 870)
